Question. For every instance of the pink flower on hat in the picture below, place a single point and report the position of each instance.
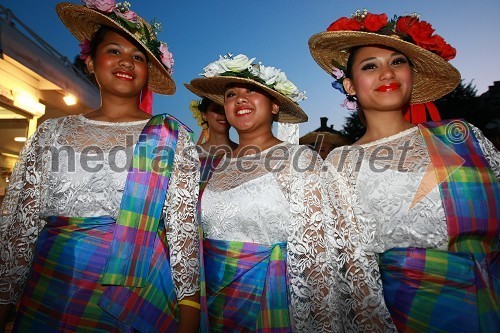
(337, 73)
(106, 6)
(167, 58)
(84, 49)
(127, 15)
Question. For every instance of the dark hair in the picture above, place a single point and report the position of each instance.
(204, 104)
(100, 33)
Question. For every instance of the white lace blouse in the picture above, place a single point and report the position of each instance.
(74, 166)
(377, 197)
(274, 196)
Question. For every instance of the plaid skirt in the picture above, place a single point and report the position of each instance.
(63, 293)
(247, 288)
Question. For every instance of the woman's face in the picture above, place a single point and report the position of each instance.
(249, 108)
(216, 118)
(381, 79)
(119, 66)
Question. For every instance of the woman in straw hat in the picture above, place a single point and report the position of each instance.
(264, 251)
(115, 250)
(413, 210)
(214, 138)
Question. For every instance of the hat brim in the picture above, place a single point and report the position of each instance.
(326, 137)
(201, 94)
(215, 87)
(83, 22)
(433, 77)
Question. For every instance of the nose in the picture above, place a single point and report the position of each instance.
(241, 98)
(126, 61)
(387, 73)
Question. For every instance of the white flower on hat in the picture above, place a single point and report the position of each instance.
(235, 64)
(286, 88)
(242, 66)
(268, 74)
(213, 69)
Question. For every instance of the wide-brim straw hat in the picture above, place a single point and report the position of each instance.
(215, 87)
(201, 94)
(433, 77)
(326, 137)
(83, 22)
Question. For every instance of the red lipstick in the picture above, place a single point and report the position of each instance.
(389, 87)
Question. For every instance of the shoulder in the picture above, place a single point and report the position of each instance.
(175, 123)
(304, 157)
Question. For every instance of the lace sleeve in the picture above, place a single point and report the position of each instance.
(182, 228)
(357, 292)
(20, 223)
(491, 154)
(309, 271)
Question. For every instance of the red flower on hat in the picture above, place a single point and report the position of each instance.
(361, 21)
(344, 23)
(440, 47)
(421, 33)
(374, 22)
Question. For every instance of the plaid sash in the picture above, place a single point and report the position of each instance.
(138, 269)
(439, 291)
(470, 193)
(62, 291)
(142, 203)
(247, 287)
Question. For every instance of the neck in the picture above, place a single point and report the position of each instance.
(252, 140)
(118, 109)
(217, 141)
(383, 124)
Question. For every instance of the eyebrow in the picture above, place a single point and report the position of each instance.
(374, 58)
(136, 49)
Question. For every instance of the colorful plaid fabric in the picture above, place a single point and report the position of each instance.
(247, 287)
(141, 291)
(457, 291)
(470, 193)
(152, 308)
(75, 255)
(141, 207)
(62, 291)
(431, 291)
(207, 166)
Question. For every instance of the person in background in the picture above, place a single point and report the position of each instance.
(264, 249)
(214, 138)
(413, 209)
(98, 229)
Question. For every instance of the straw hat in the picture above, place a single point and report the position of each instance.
(325, 137)
(433, 76)
(214, 85)
(201, 94)
(83, 22)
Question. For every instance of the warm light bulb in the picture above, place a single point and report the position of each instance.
(69, 99)
(20, 139)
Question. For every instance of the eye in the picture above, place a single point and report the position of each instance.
(140, 57)
(368, 66)
(229, 94)
(399, 61)
(113, 51)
